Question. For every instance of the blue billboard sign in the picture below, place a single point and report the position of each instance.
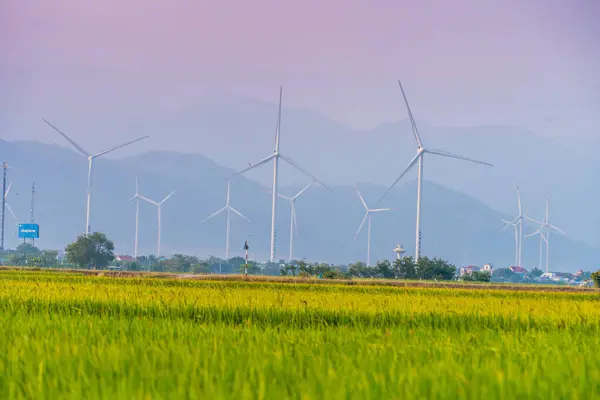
(29, 231)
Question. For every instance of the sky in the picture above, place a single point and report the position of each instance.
(527, 63)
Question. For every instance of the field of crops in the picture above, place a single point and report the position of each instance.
(66, 335)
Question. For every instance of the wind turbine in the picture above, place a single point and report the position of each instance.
(545, 227)
(91, 157)
(158, 206)
(293, 222)
(367, 217)
(227, 208)
(517, 223)
(275, 157)
(418, 158)
(136, 197)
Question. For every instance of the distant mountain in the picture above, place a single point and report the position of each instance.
(455, 226)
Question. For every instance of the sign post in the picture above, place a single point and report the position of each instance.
(246, 265)
(29, 231)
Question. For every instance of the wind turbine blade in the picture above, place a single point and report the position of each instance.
(132, 199)
(214, 214)
(361, 198)
(119, 146)
(538, 232)
(278, 128)
(148, 200)
(519, 200)
(258, 164)
(167, 198)
(361, 224)
(380, 209)
(408, 167)
(78, 147)
(303, 190)
(295, 165)
(7, 190)
(410, 117)
(535, 221)
(284, 197)
(10, 210)
(238, 213)
(557, 229)
(452, 155)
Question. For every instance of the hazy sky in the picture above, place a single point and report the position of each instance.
(532, 63)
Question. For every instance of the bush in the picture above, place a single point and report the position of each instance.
(333, 274)
(596, 278)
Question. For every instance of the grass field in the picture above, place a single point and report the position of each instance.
(67, 335)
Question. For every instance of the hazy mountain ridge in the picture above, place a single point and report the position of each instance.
(235, 130)
(455, 226)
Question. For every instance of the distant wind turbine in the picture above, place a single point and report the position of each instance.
(229, 209)
(543, 231)
(91, 157)
(367, 218)
(158, 207)
(293, 222)
(136, 197)
(275, 157)
(517, 223)
(418, 158)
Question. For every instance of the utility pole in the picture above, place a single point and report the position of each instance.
(33, 208)
(246, 265)
(4, 167)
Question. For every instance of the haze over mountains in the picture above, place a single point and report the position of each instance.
(463, 228)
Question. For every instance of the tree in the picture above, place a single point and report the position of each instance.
(384, 269)
(596, 278)
(95, 250)
(535, 273)
(477, 276)
(28, 249)
(405, 268)
(430, 269)
(503, 274)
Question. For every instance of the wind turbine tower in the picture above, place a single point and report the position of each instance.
(136, 197)
(293, 222)
(158, 207)
(91, 157)
(5, 191)
(229, 209)
(275, 157)
(517, 223)
(418, 158)
(544, 229)
(367, 218)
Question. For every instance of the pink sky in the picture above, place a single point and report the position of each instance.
(530, 63)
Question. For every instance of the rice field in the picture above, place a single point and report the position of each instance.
(72, 336)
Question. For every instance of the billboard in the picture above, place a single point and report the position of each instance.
(29, 231)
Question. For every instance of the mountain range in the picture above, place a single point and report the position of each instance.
(455, 225)
(233, 130)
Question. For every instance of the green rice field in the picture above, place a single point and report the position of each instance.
(72, 336)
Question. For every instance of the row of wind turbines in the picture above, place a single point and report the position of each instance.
(543, 231)
(278, 156)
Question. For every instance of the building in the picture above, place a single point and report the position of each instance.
(518, 270)
(468, 270)
(124, 258)
(489, 268)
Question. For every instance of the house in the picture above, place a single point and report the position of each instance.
(468, 270)
(124, 258)
(518, 270)
(489, 268)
